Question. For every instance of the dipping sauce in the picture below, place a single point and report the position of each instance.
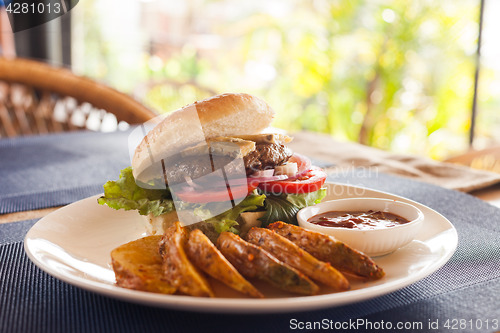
(358, 220)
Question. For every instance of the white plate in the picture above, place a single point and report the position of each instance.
(73, 244)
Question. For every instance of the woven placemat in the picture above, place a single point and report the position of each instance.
(54, 170)
(349, 155)
(466, 287)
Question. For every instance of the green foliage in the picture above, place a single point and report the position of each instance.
(387, 74)
(284, 207)
(392, 74)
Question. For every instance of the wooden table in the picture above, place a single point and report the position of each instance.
(490, 194)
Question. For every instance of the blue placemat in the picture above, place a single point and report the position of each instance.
(53, 170)
(466, 288)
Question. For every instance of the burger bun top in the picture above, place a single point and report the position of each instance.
(228, 114)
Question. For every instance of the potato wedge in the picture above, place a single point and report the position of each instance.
(326, 248)
(204, 255)
(177, 268)
(138, 265)
(254, 262)
(291, 254)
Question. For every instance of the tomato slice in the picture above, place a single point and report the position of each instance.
(309, 182)
(217, 195)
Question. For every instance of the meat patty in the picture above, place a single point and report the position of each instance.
(195, 167)
(265, 156)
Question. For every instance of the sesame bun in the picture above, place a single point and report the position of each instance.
(222, 115)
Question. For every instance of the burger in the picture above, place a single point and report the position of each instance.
(215, 166)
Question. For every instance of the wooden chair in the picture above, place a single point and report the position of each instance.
(36, 98)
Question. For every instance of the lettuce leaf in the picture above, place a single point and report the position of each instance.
(227, 220)
(279, 209)
(307, 199)
(126, 194)
(285, 207)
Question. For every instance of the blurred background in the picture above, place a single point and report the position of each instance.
(419, 77)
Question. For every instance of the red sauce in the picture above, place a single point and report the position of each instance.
(358, 220)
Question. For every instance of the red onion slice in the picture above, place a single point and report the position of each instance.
(303, 165)
(262, 173)
(268, 179)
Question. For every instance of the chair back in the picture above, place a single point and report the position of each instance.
(36, 98)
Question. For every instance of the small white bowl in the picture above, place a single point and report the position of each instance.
(373, 242)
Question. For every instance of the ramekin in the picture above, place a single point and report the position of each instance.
(373, 242)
